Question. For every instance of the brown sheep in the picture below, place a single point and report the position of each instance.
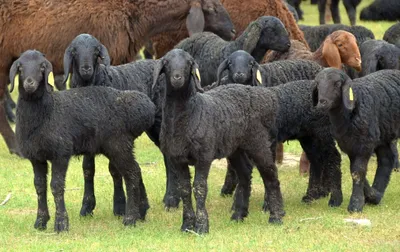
(242, 13)
(340, 47)
(122, 26)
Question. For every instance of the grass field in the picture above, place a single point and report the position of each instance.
(325, 230)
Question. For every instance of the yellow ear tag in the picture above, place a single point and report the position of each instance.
(16, 80)
(258, 75)
(50, 79)
(198, 74)
(351, 96)
(69, 80)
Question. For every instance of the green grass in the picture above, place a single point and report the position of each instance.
(104, 232)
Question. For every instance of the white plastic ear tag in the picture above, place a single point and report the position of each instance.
(16, 80)
(198, 74)
(258, 76)
(50, 79)
(69, 80)
(351, 95)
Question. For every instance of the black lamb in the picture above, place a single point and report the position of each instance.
(229, 121)
(381, 10)
(81, 58)
(392, 35)
(53, 126)
(364, 114)
(315, 35)
(296, 117)
(209, 50)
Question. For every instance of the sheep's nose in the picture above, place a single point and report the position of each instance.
(322, 103)
(239, 75)
(29, 81)
(86, 68)
(177, 76)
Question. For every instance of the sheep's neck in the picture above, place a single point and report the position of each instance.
(340, 118)
(318, 57)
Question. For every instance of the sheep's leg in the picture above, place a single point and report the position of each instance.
(396, 164)
(279, 153)
(200, 189)
(231, 180)
(358, 169)
(332, 175)
(58, 173)
(321, 10)
(335, 11)
(171, 197)
(144, 202)
(351, 11)
(119, 201)
(385, 156)
(40, 170)
(185, 189)
(243, 168)
(9, 105)
(89, 200)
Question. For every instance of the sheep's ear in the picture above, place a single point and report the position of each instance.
(348, 97)
(105, 57)
(67, 64)
(14, 75)
(195, 20)
(195, 73)
(252, 37)
(49, 76)
(158, 69)
(314, 95)
(257, 78)
(222, 67)
(331, 54)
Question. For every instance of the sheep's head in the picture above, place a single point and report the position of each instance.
(378, 55)
(209, 15)
(83, 55)
(181, 72)
(332, 90)
(341, 47)
(242, 68)
(266, 32)
(32, 72)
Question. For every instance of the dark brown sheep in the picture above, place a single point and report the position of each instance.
(242, 13)
(122, 26)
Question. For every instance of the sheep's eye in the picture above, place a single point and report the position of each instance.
(339, 45)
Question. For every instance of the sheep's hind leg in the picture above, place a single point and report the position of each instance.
(144, 202)
(89, 200)
(358, 168)
(385, 156)
(200, 193)
(40, 170)
(119, 201)
(231, 180)
(243, 168)
(58, 173)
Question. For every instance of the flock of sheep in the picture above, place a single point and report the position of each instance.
(218, 90)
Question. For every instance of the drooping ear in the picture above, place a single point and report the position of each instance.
(253, 33)
(331, 54)
(348, 96)
(222, 67)
(314, 94)
(14, 75)
(158, 69)
(195, 73)
(104, 56)
(257, 77)
(369, 65)
(48, 76)
(67, 64)
(195, 20)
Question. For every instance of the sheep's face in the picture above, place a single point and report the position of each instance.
(31, 71)
(273, 34)
(349, 52)
(384, 56)
(84, 54)
(181, 72)
(242, 68)
(331, 88)
(217, 19)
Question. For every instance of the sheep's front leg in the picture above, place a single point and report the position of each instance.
(58, 173)
(89, 200)
(200, 193)
(185, 189)
(171, 197)
(40, 170)
(119, 201)
(358, 168)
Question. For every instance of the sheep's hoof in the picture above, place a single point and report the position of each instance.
(61, 224)
(119, 207)
(87, 208)
(336, 199)
(239, 215)
(265, 207)
(275, 220)
(143, 210)
(356, 205)
(227, 190)
(171, 202)
(374, 198)
(201, 228)
(129, 221)
(187, 225)
(41, 222)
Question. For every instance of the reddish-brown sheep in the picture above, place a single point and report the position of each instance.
(242, 13)
(122, 26)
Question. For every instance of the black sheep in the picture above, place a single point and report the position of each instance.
(228, 121)
(53, 126)
(364, 114)
(392, 35)
(380, 10)
(350, 5)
